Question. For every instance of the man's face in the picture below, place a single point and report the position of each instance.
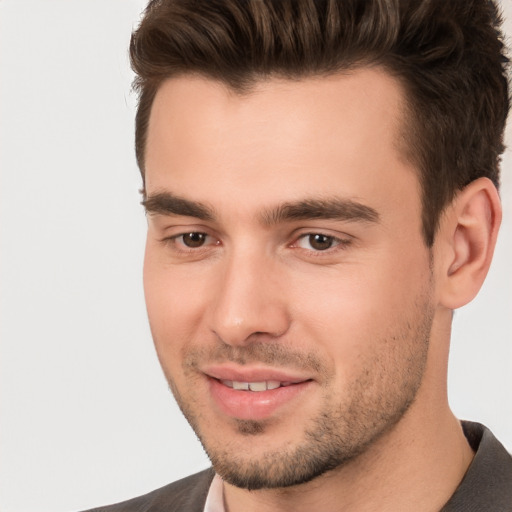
(288, 287)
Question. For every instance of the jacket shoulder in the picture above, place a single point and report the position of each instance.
(185, 495)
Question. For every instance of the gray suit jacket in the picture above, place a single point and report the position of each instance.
(486, 487)
(186, 495)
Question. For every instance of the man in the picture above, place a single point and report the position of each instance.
(320, 181)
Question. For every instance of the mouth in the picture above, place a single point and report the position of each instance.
(255, 394)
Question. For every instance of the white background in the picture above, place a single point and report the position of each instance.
(86, 417)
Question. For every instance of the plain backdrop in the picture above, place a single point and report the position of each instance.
(86, 417)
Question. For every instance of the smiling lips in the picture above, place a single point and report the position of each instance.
(253, 395)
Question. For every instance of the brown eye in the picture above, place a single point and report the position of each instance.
(194, 240)
(320, 242)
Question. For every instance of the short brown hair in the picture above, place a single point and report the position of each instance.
(448, 55)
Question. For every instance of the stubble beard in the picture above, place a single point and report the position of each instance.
(341, 431)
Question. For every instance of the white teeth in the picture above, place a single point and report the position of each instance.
(253, 386)
(258, 386)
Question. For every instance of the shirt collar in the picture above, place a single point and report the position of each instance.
(215, 498)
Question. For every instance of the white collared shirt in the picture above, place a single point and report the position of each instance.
(215, 498)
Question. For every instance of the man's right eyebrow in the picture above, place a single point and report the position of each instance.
(165, 203)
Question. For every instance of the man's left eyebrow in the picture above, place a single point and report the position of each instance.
(328, 209)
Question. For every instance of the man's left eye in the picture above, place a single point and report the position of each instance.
(317, 241)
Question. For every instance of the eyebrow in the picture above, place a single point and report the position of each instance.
(328, 209)
(166, 203)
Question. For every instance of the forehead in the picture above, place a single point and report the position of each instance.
(319, 103)
(341, 132)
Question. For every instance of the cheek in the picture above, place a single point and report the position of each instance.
(173, 303)
(349, 309)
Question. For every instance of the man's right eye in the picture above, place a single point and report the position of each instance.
(192, 240)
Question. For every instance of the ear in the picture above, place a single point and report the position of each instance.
(465, 242)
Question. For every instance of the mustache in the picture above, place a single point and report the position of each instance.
(257, 352)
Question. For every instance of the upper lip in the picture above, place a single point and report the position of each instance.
(236, 373)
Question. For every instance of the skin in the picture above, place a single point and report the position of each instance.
(362, 314)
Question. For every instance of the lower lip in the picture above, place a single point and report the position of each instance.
(254, 405)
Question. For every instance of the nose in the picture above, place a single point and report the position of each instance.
(249, 301)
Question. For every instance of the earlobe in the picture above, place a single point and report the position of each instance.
(468, 235)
